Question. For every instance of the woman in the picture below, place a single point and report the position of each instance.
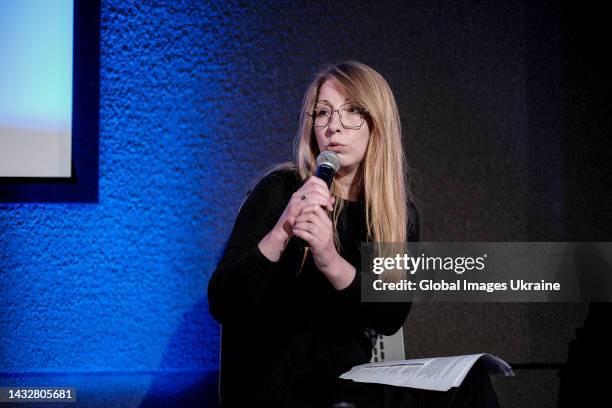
(291, 315)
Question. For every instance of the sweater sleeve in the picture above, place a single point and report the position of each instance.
(243, 272)
(385, 318)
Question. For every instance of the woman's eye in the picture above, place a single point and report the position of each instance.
(322, 112)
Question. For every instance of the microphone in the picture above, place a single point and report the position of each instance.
(328, 164)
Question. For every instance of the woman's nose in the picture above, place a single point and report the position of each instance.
(334, 123)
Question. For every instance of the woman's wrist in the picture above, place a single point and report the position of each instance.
(339, 272)
(273, 244)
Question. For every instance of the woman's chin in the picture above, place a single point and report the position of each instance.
(346, 168)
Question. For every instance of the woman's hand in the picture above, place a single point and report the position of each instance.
(304, 217)
(314, 192)
(314, 226)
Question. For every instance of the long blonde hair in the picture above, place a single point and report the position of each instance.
(382, 173)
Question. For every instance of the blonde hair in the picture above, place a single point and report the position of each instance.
(382, 172)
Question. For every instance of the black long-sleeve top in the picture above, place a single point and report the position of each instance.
(289, 335)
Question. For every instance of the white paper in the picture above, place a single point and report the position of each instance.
(438, 373)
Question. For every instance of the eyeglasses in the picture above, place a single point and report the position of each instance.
(351, 115)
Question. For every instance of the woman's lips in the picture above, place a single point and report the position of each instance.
(335, 147)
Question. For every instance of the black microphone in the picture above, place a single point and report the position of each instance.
(328, 164)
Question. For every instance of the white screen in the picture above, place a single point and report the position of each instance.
(36, 88)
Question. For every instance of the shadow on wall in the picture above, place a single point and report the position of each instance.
(586, 375)
(186, 388)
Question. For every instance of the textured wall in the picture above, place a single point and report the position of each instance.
(197, 98)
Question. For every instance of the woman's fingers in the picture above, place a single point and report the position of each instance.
(315, 184)
(310, 194)
(317, 212)
(314, 226)
(314, 199)
(317, 181)
(307, 230)
(306, 236)
(305, 195)
(315, 221)
(313, 193)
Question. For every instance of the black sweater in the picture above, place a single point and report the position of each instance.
(287, 335)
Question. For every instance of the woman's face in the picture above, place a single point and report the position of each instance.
(349, 144)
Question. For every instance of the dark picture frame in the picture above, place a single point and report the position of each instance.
(82, 186)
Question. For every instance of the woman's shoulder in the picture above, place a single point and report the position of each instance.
(270, 192)
(283, 178)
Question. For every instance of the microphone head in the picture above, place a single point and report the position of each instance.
(330, 159)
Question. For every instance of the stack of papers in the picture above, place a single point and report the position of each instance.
(438, 373)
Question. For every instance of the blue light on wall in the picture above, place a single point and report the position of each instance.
(121, 285)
